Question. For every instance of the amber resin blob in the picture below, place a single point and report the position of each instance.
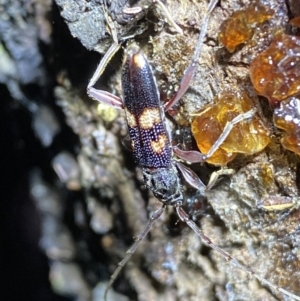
(247, 137)
(275, 72)
(287, 117)
(241, 25)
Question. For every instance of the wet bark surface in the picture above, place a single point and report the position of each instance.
(73, 197)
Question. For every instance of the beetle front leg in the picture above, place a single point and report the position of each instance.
(100, 95)
(106, 97)
(103, 63)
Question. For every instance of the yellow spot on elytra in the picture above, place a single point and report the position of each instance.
(159, 145)
(130, 118)
(139, 60)
(149, 118)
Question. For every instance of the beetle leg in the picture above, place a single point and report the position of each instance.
(190, 156)
(215, 176)
(227, 129)
(100, 95)
(197, 157)
(189, 72)
(103, 63)
(106, 97)
(191, 177)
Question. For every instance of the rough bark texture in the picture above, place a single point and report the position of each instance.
(89, 214)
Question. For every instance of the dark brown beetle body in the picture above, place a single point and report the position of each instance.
(150, 140)
(146, 123)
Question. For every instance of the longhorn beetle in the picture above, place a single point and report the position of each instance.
(151, 142)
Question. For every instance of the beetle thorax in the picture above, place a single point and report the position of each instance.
(165, 184)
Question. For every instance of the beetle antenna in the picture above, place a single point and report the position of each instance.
(185, 218)
(154, 216)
